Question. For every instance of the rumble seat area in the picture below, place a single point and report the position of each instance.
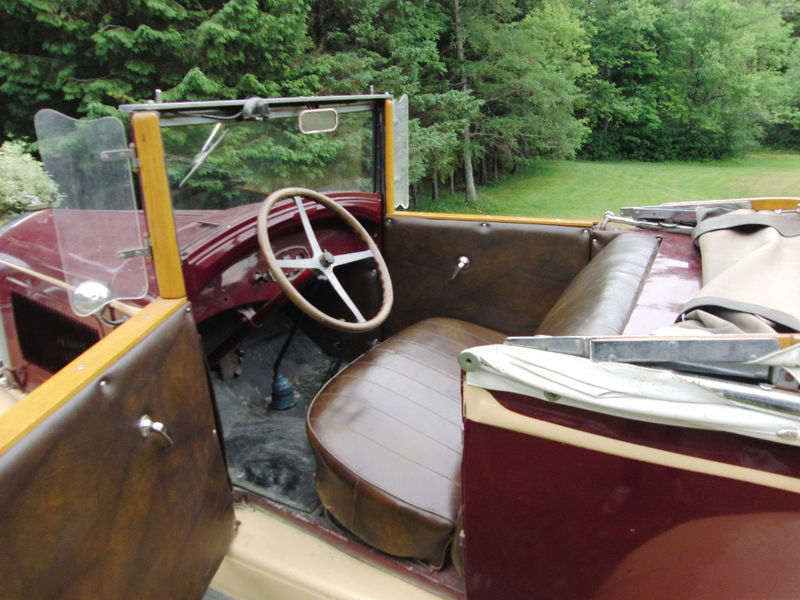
(387, 430)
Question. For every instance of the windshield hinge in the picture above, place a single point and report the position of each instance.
(121, 154)
(135, 252)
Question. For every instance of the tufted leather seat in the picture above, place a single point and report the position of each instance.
(387, 430)
(387, 436)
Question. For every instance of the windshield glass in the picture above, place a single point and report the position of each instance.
(223, 163)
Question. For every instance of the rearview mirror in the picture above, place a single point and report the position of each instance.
(318, 120)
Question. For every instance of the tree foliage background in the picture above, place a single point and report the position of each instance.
(494, 84)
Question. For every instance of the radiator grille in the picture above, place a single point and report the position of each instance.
(48, 338)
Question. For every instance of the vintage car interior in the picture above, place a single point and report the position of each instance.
(324, 392)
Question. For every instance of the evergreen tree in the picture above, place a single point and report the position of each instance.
(522, 65)
(86, 57)
(493, 84)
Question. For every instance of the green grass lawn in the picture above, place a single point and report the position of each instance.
(574, 188)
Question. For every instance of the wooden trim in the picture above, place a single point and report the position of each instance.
(779, 203)
(21, 418)
(157, 203)
(388, 145)
(756, 204)
(9, 398)
(493, 218)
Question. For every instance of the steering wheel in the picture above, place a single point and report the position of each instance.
(322, 261)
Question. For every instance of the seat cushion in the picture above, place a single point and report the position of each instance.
(387, 435)
(600, 299)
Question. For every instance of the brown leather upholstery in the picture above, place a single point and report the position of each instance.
(90, 509)
(517, 270)
(387, 437)
(600, 299)
(387, 431)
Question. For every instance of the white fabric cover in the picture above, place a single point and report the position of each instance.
(625, 390)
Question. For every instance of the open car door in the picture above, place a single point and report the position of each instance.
(112, 479)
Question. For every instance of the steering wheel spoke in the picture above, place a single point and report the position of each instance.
(312, 237)
(344, 259)
(297, 263)
(348, 301)
(324, 261)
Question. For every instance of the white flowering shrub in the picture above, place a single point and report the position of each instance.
(23, 180)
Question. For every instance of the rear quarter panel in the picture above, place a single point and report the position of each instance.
(564, 503)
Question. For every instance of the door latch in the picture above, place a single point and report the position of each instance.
(461, 265)
(147, 427)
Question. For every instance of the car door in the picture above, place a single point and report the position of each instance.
(112, 479)
(113, 482)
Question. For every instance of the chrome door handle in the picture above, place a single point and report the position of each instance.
(461, 265)
(147, 426)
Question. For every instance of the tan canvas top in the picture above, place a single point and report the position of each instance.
(751, 262)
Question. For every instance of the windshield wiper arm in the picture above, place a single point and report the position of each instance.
(208, 147)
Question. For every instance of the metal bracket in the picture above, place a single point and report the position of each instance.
(255, 109)
(145, 251)
(713, 356)
(120, 154)
(610, 217)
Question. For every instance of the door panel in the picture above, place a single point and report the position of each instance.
(517, 270)
(566, 503)
(91, 509)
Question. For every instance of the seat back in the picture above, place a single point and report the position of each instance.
(600, 299)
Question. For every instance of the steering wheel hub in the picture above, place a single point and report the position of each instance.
(326, 259)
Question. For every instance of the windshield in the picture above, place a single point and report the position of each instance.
(217, 163)
(96, 224)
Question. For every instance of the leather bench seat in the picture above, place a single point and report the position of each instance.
(387, 430)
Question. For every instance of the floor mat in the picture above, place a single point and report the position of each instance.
(268, 451)
(272, 457)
